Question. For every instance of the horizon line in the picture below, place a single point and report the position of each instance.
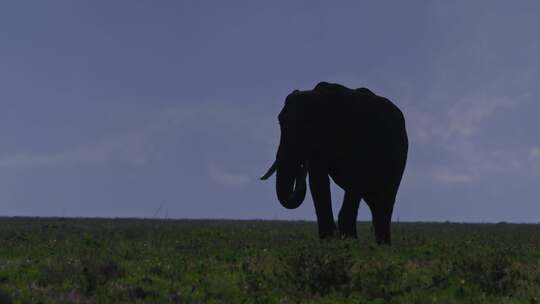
(2, 217)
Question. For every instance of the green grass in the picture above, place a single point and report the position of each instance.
(184, 261)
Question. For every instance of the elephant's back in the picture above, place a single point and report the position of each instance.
(372, 120)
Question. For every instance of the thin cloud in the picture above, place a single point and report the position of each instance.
(223, 177)
(466, 117)
(534, 158)
(126, 150)
(455, 116)
(446, 176)
(138, 146)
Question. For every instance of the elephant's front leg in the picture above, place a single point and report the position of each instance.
(319, 185)
(348, 214)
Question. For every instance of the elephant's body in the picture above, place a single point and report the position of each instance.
(355, 137)
(363, 139)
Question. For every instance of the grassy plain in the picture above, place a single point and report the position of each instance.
(211, 261)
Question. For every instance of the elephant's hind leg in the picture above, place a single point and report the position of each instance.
(348, 214)
(381, 205)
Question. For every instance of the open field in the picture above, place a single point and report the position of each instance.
(187, 261)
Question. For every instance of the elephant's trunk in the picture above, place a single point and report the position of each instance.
(290, 189)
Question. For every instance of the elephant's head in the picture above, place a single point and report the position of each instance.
(291, 162)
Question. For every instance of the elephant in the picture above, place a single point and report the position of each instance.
(353, 136)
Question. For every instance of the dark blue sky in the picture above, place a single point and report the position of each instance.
(117, 108)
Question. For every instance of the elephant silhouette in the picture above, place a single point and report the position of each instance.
(353, 136)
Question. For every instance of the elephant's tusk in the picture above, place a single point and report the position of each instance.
(270, 171)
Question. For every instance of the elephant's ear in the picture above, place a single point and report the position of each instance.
(314, 115)
(304, 107)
